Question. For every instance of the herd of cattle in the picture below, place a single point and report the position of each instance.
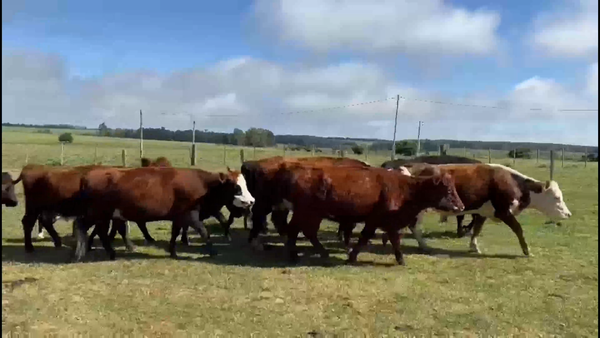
(346, 191)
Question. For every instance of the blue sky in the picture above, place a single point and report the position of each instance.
(89, 62)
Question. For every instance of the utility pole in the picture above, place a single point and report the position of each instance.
(141, 136)
(419, 138)
(194, 143)
(395, 124)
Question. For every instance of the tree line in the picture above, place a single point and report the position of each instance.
(260, 137)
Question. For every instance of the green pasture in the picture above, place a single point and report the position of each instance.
(241, 292)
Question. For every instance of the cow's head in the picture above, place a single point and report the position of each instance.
(550, 201)
(235, 183)
(438, 191)
(9, 198)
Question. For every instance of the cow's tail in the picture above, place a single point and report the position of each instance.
(19, 179)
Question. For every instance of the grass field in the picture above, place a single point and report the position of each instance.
(247, 293)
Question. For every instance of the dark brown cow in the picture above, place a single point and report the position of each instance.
(155, 194)
(499, 193)
(259, 176)
(51, 191)
(9, 198)
(381, 198)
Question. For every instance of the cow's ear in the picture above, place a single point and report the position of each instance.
(228, 170)
(222, 177)
(547, 185)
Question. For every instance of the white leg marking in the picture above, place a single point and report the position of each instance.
(473, 247)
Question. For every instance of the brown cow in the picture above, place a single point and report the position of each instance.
(9, 198)
(51, 191)
(154, 194)
(382, 199)
(500, 193)
(259, 175)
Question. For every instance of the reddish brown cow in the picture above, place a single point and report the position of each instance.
(382, 199)
(154, 194)
(499, 193)
(51, 191)
(260, 177)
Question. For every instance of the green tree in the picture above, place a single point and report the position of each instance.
(65, 137)
(103, 130)
(520, 153)
(358, 150)
(406, 148)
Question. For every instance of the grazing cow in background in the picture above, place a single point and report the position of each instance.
(154, 194)
(500, 193)
(9, 198)
(381, 198)
(442, 159)
(259, 175)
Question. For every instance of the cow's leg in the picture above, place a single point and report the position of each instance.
(416, 228)
(443, 219)
(193, 219)
(28, 222)
(366, 234)
(47, 221)
(346, 229)
(246, 216)
(259, 218)
(279, 218)
(113, 229)
(90, 241)
(81, 226)
(460, 229)
(395, 239)
(40, 234)
(310, 229)
(121, 227)
(515, 226)
(144, 230)
(225, 224)
(102, 227)
(477, 223)
(292, 236)
(175, 230)
(185, 240)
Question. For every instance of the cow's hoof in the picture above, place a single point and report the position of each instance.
(475, 250)
(29, 249)
(131, 248)
(426, 250)
(149, 242)
(212, 252)
(324, 255)
(112, 256)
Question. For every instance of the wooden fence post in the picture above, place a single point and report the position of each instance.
(551, 164)
(242, 155)
(284, 151)
(224, 154)
(514, 156)
(124, 157)
(26, 158)
(96, 154)
(62, 153)
(537, 158)
(562, 158)
(367, 152)
(312, 150)
(193, 155)
(585, 158)
(254, 154)
(465, 151)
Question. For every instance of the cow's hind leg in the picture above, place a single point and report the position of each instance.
(47, 221)
(28, 222)
(145, 233)
(395, 239)
(292, 236)
(121, 227)
(225, 224)
(102, 228)
(175, 230)
(193, 219)
(310, 229)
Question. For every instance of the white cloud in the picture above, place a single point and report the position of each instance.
(392, 26)
(570, 31)
(36, 88)
(592, 79)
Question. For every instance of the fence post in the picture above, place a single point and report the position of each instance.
(193, 155)
(242, 155)
(465, 151)
(551, 164)
(224, 154)
(27, 158)
(124, 157)
(489, 155)
(284, 151)
(514, 156)
(96, 154)
(367, 152)
(585, 157)
(254, 153)
(62, 153)
(312, 150)
(537, 158)
(562, 158)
